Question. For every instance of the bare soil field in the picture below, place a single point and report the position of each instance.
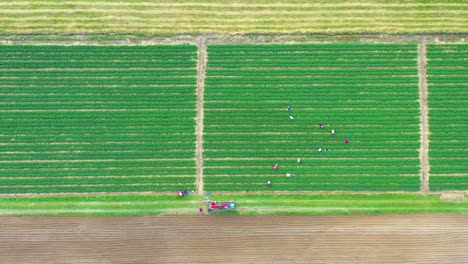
(236, 239)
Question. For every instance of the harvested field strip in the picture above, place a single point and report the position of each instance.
(246, 117)
(90, 130)
(448, 116)
(258, 16)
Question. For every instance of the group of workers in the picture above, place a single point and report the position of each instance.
(276, 166)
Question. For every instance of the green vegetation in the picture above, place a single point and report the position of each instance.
(97, 118)
(99, 205)
(243, 16)
(247, 204)
(448, 116)
(366, 93)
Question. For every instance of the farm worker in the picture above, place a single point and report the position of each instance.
(298, 160)
(291, 117)
(268, 183)
(200, 210)
(180, 194)
(321, 125)
(333, 132)
(288, 175)
(319, 149)
(288, 108)
(346, 141)
(275, 167)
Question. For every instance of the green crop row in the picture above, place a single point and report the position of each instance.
(292, 164)
(163, 172)
(97, 73)
(95, 64)
(300, 128)
(86, 164)
(97, 188)
(260, 72)
(364, 184)
(100, 81)
(236, 48)
(115, 146)
(215, 58)
(305, 80)
(280, 103)
(79, 155)
(189, 49)
(287, 154)
(310, 63)
(313, 171)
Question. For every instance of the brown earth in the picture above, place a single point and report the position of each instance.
(236, 239)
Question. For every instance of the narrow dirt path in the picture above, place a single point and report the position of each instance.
(424, 149)
(201, 43)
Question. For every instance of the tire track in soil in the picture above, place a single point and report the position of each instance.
(424, 126)
(201, 71)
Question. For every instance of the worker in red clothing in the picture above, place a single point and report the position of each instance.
(200, 210)
(346, 141)
(321, 125)
(275, 167)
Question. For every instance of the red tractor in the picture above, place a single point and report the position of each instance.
(219, 206)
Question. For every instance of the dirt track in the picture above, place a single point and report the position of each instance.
(236, 239)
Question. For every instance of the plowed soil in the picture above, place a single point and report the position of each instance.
(236, 239)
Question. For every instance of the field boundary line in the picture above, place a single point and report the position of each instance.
(424, 117)
(201, 71)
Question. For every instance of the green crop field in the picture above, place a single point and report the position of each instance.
(97, 118)
(367, 93)
(448, 123)
(165, 17)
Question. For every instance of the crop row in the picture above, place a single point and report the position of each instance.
(115, 146)
(316, 88)
(236, 48)
(310, 63)
(307, 80)
(156, 187)
(48, 49)
(96, 56)
(163, 172)
(100, 81)
(280, 103)
(81, 155)
(160, 98)
(309, 95)
(362, 184)
(310, 72)
(105, 164)
(313, 171)
(97, 73)
(216, 58)
(95, 64)
(371, 136)
(323, 162)
(95, 105)
(287, 154)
